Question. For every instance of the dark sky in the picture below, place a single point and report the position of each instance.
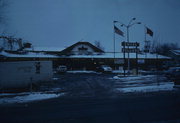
(60, 23)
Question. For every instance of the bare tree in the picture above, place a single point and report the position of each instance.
(159, 46)
(166, 47)
(155, 44)
(11, 43)
(163, 48)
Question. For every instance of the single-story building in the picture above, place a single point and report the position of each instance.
(84, 55)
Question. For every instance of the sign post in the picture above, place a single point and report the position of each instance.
(134, 49)
(124, 55)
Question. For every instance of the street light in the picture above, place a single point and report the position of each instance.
(130, 24)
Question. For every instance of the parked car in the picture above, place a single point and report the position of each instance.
(172, 72)
(104, 68)
(61, 69)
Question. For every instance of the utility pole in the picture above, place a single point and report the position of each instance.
(127, 28)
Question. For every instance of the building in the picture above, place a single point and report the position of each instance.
(85, 56)
(82, 48)
(20, 74)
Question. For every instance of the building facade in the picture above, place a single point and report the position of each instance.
(85, 56)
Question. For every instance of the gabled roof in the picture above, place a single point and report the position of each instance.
(68, 49)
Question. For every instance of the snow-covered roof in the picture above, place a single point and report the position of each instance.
(82, 44)
(28, 55)
(120, 55)
(104, 55)
(50, 49)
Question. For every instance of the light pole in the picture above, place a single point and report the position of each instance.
(130, 24)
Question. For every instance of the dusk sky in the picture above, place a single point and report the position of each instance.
(61, 23)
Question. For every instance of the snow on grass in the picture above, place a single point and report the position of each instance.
(24, 98)
(55, 78)
(153, 88)
(120, 71)
(81, 71)
(133, 77)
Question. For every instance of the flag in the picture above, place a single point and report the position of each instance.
(118, 31)
(149, 31)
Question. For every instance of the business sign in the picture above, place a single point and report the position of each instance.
(130, 50)
(119, 61)
(130, 44)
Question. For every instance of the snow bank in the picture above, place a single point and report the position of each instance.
(149, 83)
(152, 88)
(81, 71)
(28, 98)
(132, 77)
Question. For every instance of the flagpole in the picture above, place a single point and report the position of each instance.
(119, 32)
(145, 43)
(145, 32)
(114, 39)
(114, 43)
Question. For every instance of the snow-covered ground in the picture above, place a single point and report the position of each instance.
(26, 97)
(81, 71)
(149, 83)
(73, 84)
(150, 88)
(118, 71)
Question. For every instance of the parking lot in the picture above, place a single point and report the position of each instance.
(95, 84)
(79, 84)
(96, 97)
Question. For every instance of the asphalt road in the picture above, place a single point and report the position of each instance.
(161, 107)
(91, 98)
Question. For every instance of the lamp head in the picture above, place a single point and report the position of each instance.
(134, 19)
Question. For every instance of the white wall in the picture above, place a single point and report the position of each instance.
(22, 73)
